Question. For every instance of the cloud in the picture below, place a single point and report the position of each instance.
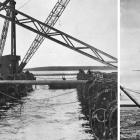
(129, 41)
(130, 14)
(130, 4)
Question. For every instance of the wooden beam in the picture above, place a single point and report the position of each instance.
(43, 82)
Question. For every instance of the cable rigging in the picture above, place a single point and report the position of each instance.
(24, 4)
(51, 20)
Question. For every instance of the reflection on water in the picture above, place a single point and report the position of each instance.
(40, 117)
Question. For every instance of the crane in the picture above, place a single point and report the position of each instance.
(51, 20)
(47, 31)
(55, 35)
(4, 34)
(4, 30)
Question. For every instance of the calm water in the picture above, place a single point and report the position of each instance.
(43, 115)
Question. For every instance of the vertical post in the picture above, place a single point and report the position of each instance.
(13, 29)
(13, 38)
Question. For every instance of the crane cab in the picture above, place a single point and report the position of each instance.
(9, 65)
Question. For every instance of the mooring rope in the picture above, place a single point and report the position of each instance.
(67, 103)
(135, 91)
(61, 94)
(9, 96)
(47, 98)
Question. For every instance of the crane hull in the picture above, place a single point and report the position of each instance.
(8, 71)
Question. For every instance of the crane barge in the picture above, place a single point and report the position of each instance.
(97, 92)
(10, 68)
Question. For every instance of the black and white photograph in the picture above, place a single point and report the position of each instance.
(59, 68)
(130, 70)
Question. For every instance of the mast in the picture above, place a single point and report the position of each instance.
(13, 37)
(13, 29)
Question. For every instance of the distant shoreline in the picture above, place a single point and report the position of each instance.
(69, 68)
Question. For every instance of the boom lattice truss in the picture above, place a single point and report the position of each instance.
(57, 36)
(51, 20)
(4, 34)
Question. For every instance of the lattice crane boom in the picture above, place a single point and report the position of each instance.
(51, 20)
(59, 37)
(5, 2)
(4, 34)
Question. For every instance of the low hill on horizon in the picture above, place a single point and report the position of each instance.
(69, 68)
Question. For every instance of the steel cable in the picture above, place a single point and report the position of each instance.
(46, 98)
(67, 103)
(24, 4)
(135, 91)
(60, 94)
(9, 96)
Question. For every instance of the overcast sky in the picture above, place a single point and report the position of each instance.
(130, 37)
(92, 21)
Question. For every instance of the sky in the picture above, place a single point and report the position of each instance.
(92, 21)
(130, 39)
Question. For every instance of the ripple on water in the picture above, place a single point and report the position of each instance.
(41, 118)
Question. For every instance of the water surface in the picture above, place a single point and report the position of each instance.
(44, 115)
